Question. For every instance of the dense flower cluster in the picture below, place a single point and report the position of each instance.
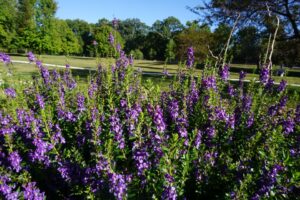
(116, 138)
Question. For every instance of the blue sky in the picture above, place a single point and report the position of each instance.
(147, 11)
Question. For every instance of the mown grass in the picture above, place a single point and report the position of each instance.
(25, 71)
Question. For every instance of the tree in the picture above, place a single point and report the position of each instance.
(168, 28)
(253, 11)
(102, 21)
(26, 27)
(8, 15)
(247, 45)
(220, 37)
(134, 32)
(66, 42)
(82, 31)
(101, 35)
(44, 18)
(155, 46)
(170, 54)
(199, 37)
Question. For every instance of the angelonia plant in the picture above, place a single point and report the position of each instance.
(117, 138)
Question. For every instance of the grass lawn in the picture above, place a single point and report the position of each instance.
(25, 71)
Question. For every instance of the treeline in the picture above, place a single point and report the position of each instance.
(31, 25)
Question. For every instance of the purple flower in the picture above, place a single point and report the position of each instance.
(288, 125)
(264, 75)
(247, 103)
(115, 22)
(272, 110)
(57, 136)
(269, 84)
(231, 122)
(231, 91)
(15, 161)
(174, 109)
(169, 193)
(250, 120)
(10, 92)
(116, 128)
(221, 114)
(282, 86)
(45, 75)
(111, 39)
(64, 171)
(118, 185)
(13, 196)
(132, 115)
(192, 97)
(31, 57)
(282, 102)
(40, 101)
(70, 82)
(4, 187)
(123, 103)
(5, 58)
(123, 61)
(158, 119)
(80, 102)
(119, 48)
(209, 83)
(190, 57)
(224, 72)
(31, 192)
(92, 89)
(198, 139)
(141, 157)
(211, 132)
(42, 148)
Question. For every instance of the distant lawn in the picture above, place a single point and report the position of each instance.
(25, 71)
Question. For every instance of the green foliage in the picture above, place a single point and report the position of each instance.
(101, 35)
(247, 45)
(197, 37)
(82, 31)
(170, 51)
(8, 15)
(137, 54)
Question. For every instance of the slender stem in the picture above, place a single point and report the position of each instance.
(273, 43)
(229, 38)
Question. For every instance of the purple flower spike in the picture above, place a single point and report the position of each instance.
(282, 86)
(190, 59)
(10, 92)
(31, 57)
(80, 102)
(169, 193)
(111, 39)
(158, 119)
(40, 101)
(31, 192)
(15, 161)
(224, 73)
(115, 22)
(209, 83)
(264, 75)
(5, 58)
